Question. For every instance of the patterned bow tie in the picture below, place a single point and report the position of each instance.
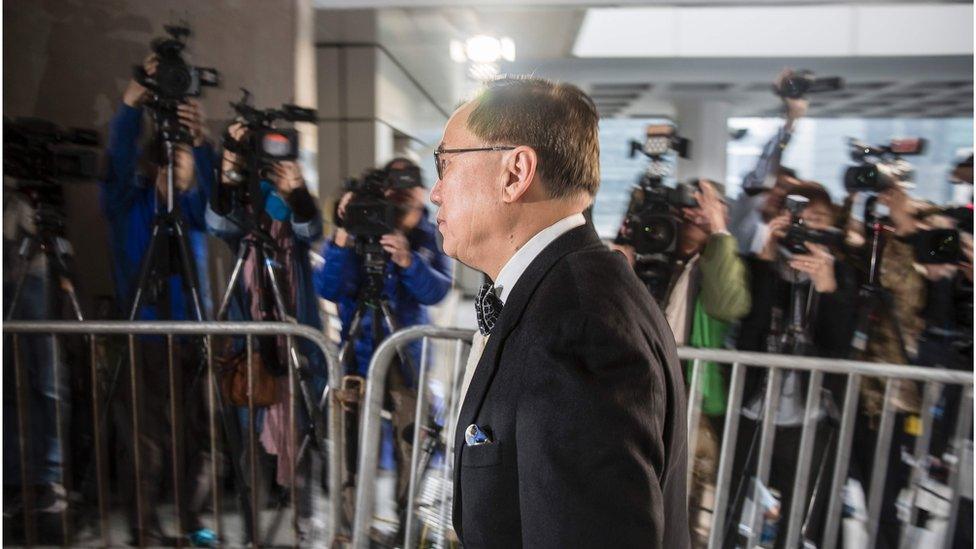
(488, 306)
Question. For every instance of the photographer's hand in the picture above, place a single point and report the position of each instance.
(343, 202)
(795, 108)
(776, 229)
(192, 116)
(229, 162)
(287, 177)
(900, 209)
(135, 93)
(713, 209)
(397, 245)
(819, 264)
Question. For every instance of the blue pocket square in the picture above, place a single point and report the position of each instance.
(476, 436)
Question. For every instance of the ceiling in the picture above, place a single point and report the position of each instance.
(544, 33)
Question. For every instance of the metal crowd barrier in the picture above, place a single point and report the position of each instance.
(208, 330)
(854, 371)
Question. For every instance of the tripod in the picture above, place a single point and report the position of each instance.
(56, 250)
(370, 299)
(874, 301)
(789, 335)
(260, 243)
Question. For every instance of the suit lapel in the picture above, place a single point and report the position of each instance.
(573, 240)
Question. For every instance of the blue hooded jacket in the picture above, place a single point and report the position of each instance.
(129, 202)
(425, 282)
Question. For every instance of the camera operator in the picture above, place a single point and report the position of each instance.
(707, 291)
(133, 192)
(42, 358)
(780, 274)
(292, 221)
(769, 181)
(417, 274)
(932, 309)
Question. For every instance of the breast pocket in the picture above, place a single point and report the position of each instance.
(482, 455)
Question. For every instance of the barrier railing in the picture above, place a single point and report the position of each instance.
(170, 330)
(854, 371)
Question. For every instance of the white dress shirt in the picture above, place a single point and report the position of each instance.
(508, 277)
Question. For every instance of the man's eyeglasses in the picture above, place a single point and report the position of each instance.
(439, 162)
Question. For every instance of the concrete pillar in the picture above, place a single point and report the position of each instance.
(704, 122)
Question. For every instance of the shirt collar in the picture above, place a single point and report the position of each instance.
(517, 264)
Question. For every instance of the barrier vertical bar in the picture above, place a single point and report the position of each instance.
(252, 445)
(694, 415)
(727, 455)
(97, 441)
(415, 449)
(921, 451)
(842, 459)
(174, 439)
(23, 440)
(136, 445)
(964, 421)
(808, 437)
(879, 470)
(214, 450)
(766, 448)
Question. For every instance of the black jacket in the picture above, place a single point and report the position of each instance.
(581, 391)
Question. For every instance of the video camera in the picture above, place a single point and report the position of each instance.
(799, 234)
(264, 142)
(40, 151)
(173, 82)
(803, 82)
(651, 223)
(40, 155)
(881, 167)
(371, 213)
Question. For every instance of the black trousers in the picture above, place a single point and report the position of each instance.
(156, 433)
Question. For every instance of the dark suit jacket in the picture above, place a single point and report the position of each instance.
(581, 391)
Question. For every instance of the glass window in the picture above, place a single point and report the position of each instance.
(818, 150)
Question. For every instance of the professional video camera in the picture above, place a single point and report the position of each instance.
(371, 213)
(651, 222)
(798, 234)
(173, 82)
(40, 152)
(263, 144)
(881, 167)
(801, 83)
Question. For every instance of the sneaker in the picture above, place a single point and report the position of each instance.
(204, 537)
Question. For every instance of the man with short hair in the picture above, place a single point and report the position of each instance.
(571, 431)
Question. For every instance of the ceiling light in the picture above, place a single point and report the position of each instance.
(483, 49)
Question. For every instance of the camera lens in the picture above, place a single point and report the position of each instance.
(860, 178)
(656, 234)
(173, 79)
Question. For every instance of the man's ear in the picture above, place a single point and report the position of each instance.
(520, 168)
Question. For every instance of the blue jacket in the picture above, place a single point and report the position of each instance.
(306, 305)
(425, 282)
(129, 203)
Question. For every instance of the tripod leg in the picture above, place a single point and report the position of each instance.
(145, 270)
(188, 270)
(57, 258)
(234, 279)
(391, 325)
(26, 252)
(303, 374)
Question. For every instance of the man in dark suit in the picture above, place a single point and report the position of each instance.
(571, 431)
